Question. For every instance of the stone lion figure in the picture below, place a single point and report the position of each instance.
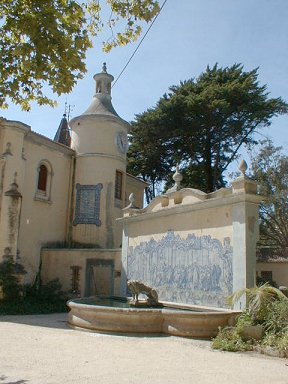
(136, 287)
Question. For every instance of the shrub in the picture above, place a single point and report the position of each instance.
(277, 341)
(267, 306)
(276, 320)
(229, 339)
(9, 279)
(258, 300)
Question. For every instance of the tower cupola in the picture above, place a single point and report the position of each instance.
(101, 103)
(103, 82)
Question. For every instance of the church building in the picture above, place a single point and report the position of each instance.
(59, 199)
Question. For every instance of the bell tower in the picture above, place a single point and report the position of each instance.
(99, 138)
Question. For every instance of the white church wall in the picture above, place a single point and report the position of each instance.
(44, 218)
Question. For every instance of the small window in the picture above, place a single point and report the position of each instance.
(266, 276)
(118, 185)
(44, 181)
(42, 178)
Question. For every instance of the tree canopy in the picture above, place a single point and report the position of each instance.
(44, 42)
(201, 123)
(270, 169)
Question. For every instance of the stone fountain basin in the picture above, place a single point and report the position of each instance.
(171, 319)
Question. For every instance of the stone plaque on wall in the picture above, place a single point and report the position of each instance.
(194, 270)
(87, 209)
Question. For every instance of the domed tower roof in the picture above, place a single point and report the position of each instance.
(101, 104)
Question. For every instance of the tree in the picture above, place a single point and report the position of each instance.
(44, 42)
(201, 123)
(270, 169)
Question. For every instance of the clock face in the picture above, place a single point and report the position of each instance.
(122, 141)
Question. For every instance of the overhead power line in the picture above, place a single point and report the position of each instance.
(141, 41)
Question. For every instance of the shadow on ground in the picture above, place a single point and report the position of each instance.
(4, 378)
(55, 320)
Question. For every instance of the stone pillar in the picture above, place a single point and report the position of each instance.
(12, 219)
(125, 245)
(12, 163)
(245, 233)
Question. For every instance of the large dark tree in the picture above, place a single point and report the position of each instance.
(270, 169)
(201, 123)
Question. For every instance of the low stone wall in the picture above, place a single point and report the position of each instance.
(76, 270)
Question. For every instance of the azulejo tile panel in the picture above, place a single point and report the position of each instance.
(88, 204)
(194, 270)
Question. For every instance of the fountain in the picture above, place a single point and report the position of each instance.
(133, 316)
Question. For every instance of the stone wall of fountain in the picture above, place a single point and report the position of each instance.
(193, 247)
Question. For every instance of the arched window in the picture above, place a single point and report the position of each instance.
(44, 181)
(42, 178)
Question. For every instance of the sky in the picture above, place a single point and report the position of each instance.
(187, 36)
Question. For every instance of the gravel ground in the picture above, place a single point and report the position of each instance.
(43, 350)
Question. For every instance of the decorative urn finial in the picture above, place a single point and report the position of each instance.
(243, 167)
(177, 177)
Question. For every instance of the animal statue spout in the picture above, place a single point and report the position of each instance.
(136, 287)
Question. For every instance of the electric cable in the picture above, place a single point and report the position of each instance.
(141, 41)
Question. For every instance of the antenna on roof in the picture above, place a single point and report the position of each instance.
(68, 109)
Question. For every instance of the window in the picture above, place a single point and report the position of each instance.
(118, 185)
(44, 181)
(42, 178)
(266, 276)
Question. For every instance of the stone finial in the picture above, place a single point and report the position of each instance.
(177, 177)
(243, 167)
(104, 68)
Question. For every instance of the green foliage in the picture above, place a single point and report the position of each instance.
(260, 280)
(258, 300)
(277, 341)
(201, 123)
(37, 298)
(244, 320)
(267, 306)
(44, 42)
(276, 320)
(229, 339)
(270, 169)
(9, 278)
(48, 292)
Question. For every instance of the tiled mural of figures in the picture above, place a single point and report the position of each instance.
(195, 270)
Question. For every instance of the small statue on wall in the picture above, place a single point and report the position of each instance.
(136, 287)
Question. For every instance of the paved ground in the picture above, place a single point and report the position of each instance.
(42, 350)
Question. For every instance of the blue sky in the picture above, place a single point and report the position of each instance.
(187, 36)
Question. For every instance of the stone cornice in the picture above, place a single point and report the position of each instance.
(143, 214)
(101, 154)
(4, 123)
(101, 117)
(43, 140)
